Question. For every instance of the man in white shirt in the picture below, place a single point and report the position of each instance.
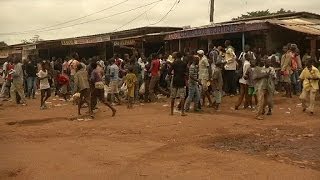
(72, 66)
(247, 51)
(230, 70)
(204, 75)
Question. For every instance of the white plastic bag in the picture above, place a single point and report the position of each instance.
(124, 88)
(142, 89)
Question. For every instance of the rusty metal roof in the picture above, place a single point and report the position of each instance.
(303, 25)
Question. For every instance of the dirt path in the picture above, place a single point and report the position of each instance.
(147, 143)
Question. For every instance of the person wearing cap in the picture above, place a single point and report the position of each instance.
(204, 75)
(230, 69)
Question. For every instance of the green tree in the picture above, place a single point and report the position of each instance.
(261, 13)
(3, 44)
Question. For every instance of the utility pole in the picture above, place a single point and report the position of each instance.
(211, 11)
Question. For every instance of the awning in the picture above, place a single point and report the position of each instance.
(303, 25)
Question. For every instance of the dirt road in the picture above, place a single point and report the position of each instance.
(147, 143)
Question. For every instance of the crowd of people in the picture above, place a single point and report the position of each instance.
(190, 76)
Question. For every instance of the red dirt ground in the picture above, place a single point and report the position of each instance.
(147, 143)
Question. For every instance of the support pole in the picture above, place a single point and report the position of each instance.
(313, 47)
(211, 11)
(179, 44)
(243, 41)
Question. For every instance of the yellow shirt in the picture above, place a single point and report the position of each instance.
(130, 80)
(306, 74)
(230, 58)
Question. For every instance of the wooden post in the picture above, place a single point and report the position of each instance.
(211, 11)
(243, 41)
(313, 47)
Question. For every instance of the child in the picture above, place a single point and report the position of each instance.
(251, 83)
(130, 80)
(44, 85)
(217, 84)
(261, 76)
(271, 84)
(310, 77)
(63, 81)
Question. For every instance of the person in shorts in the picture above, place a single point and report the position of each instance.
(44, 85)
(114, 81)
(179, 69)
(251, 84)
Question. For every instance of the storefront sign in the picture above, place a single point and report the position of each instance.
(225, 29)
(86, 40)
(15, 51)
(256, 26)
(125, 42)
(29, 47)
(67, 42)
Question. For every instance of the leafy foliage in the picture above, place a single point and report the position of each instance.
(261, 13)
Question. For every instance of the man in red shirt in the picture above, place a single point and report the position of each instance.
(155, 76)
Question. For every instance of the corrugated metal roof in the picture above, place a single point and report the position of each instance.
(304, 25)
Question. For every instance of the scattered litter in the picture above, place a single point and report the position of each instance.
(48, 102)
(299, 104)
(179, 122)
(281, 108)
(62, 100)
(58, 105)
(308, 135)
(54, 99)
(88, 119)
(79, 119)
(232, 108)
(165, 105)
(289, 109)
(176, 111)
(288, 112)
(141, 104)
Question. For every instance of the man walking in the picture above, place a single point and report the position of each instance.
(17, 82)
(204, 76)
(179, 69)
